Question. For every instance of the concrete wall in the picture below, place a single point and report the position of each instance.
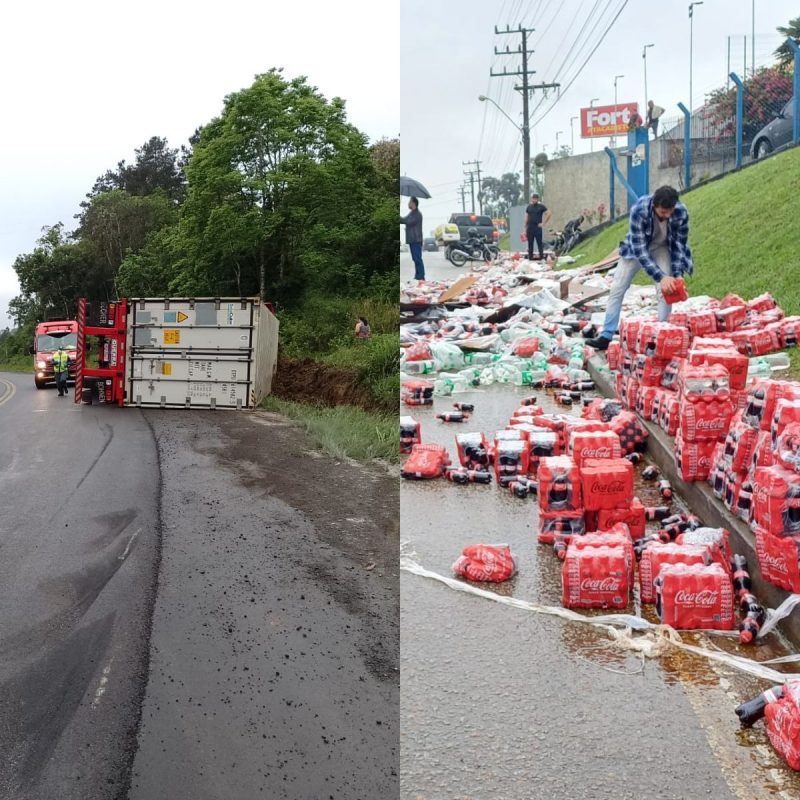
(578, 182)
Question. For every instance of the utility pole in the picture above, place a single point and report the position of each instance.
(523, 73)
(477, 165)
(460, 191)
(471, 176)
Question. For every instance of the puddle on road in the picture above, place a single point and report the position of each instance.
(453, 633)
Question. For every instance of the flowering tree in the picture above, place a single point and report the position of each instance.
(764, 95)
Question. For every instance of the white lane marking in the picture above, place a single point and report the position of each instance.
(101, 688)
(128, 546)
(12, 390)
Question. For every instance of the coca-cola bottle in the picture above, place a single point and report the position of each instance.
(656, 513)
(744, 499)
(560, 494)
(753, 710)
(464, 406)
(665, 489)
(452, 416)
(634, 458)
(755, 408)
(650, 473)
(528, 401)
(518, 489)
(754, 619)
(791, 510)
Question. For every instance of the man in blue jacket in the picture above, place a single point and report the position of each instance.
(658, 243)
(413, 223)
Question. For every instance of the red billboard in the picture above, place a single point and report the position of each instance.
(607, 120)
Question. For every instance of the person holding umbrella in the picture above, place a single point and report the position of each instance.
(414, 237)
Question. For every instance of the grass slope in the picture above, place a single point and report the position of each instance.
(744, 235)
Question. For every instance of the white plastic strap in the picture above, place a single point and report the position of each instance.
(652, 643)
(775, 615)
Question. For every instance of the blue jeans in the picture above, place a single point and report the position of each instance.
(623, 277)
(416, 256)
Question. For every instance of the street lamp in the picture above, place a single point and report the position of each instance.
(591, 140)
(526, 143)
(558, 133)
(616, 78)
(572, 133)
(691, 32)
(644, 60)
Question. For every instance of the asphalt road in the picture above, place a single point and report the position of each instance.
(500, 703)
(194, 605)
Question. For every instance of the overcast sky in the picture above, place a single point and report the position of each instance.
(83, 83)
(447, 51)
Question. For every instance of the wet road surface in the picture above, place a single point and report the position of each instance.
(499, 703)
(79, 549)
(272, 669)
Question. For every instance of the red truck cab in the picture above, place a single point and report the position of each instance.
(46, 341)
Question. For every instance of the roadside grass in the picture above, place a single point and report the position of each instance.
(345, 431)
(323, 331)
(17, 364)
(744, 236)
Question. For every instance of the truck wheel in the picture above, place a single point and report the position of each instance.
(39, 384)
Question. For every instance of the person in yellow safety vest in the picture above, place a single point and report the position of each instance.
(60, 370)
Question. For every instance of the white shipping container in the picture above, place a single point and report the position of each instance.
(200, 353)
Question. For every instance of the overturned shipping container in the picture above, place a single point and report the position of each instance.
(178, 353)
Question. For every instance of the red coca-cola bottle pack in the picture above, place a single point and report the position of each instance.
(776, 500)
(678, 293)
(704, 382)
(645, 401)
(763, 453)
(617, 537)
(559, 485)
(705, 421)
(553, 524)
(409, 434)
(783, 724)
(695, 597)
(612, 354)
(762, 399)
(787, 450)
(740, 442)
(663, 340)
(693, 459)
(787, 410)
(632, 516)
(425, 462)
(702, 322)
(595, 577)
(649, 371)
(593, 444)
(656, 555)
(669, 413)
(778, 559)
(730, 317)
(607, 483)
(718, 539)
(735, 362)
(511, 456)
(473, 450)
(493, 563)
(416, 393)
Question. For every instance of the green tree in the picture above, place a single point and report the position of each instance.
(784, 53)
(499, 194)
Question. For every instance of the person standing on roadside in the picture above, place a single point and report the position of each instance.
(61, 370)
(654, 113)
(413, 223)
(658, 243)
(363, 330)
(536, 215)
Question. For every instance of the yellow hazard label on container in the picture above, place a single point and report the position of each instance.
(182, 317)
(172, 336)
(166, 368)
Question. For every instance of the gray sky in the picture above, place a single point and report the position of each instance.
(447, 50)
(84, 83)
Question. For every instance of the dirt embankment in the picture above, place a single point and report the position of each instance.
(307, 381)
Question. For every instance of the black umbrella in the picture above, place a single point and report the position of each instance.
(411, 188)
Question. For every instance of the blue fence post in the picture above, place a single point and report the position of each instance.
(687, 146)
(616, 172)
(611, 192)
(739, 117)
(796, 50)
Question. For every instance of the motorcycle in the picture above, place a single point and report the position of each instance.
(564, 241)
(473, 249)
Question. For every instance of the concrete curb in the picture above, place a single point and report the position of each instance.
(704, 503)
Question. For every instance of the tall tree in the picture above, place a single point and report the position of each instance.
(784, 53)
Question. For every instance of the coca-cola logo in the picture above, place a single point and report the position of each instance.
(595, 452)
(602, 585)
(612, 487)
(672, 341)
(776, 563)
(705, 597)
(760, 494)
(718, 423)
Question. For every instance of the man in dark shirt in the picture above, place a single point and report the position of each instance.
(413, 223)
(536, 215)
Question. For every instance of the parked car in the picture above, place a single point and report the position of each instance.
(484, 224)
(430, 244)
(774, 134)
(446, 233)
